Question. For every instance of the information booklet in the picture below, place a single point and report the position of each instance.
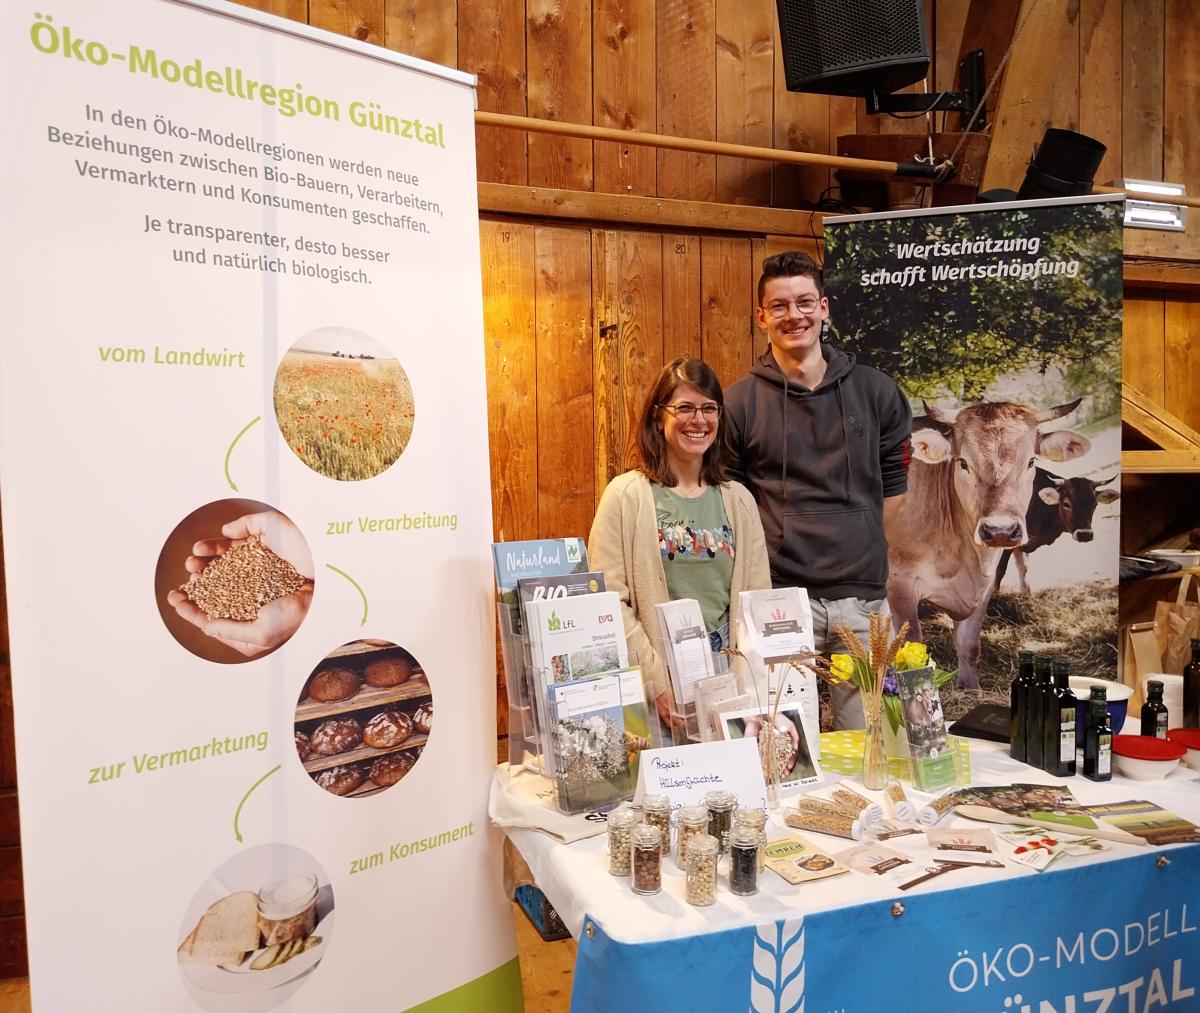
(547, 557)
(589, 740)
(545, 588)
(685, 641)
(571, 638)
(1144, 819)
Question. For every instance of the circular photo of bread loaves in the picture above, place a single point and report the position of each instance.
(363, 718)
(234, 580)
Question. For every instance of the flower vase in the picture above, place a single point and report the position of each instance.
(874, 763)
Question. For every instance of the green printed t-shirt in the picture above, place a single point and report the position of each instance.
(696, 542)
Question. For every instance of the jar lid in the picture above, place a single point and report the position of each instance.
(745, 837)
(754, 818)
(646, 834)
(693, 814)
(702, 844)
(718, 799)
(656, 802)
(623, 818)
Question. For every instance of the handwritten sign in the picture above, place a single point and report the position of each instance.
(685, 773)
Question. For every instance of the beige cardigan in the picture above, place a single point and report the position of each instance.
(624, 545)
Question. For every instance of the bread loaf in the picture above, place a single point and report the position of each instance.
(388, 672)
(387, 729)
(335, 736)
(333, 684)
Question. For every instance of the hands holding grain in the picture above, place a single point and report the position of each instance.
(275, 617)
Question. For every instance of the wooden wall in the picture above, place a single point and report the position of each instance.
(564, 382)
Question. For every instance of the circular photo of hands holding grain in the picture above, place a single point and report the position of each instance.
(234, 580)
(343, 403)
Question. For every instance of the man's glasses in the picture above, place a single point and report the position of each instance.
(778, 308)
(686, 412)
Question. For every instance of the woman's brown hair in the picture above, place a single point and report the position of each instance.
(652, 446)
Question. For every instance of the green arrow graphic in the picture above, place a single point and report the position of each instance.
(238, 812)
(245, 428)
(356, 588)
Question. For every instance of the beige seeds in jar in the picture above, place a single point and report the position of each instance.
(620, 825)
(701, 888)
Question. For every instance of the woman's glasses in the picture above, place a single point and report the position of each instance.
(686, 411)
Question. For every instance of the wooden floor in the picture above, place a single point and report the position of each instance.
(545, 972)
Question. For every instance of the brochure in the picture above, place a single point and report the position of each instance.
(562, 586)
(685, 641)
(1144, 819)
(1038, 848)
(800, 861)
(587, 731)
(892, 867)
(570, 638)
(964, 840)
(925, 724)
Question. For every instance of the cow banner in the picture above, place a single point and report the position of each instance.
(1001, 324)
(243, 447)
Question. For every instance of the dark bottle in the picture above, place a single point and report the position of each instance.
(1154, 711)
(1097, 742)
(1021, 686)
(1058, 725)
(1035, 709)
(1191, 689)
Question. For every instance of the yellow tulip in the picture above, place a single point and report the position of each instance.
(912, 655)
(841, 667)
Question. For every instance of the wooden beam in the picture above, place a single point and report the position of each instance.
(1153, 421)
(1161, 274)
(658, 212)
(1159, 462)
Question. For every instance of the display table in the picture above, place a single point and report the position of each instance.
(1120, 925)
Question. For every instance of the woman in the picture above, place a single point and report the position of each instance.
(651, 521)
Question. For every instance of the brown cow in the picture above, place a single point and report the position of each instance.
(969, 487)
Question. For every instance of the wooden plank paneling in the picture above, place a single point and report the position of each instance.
(507, 254)
(424, 28)
(1039, 89)
(12, 897)
(1181, 110)
(624, 94)
(949, 24)
(1144, 347)
(744, 81)
(681, 296)
(559, 60)
(10, 828)
(14, 959)
(1182, 323)
(1100, 103)
(685, 44)
(358, 19)
(627, 278)
(491, 44)
(563, 315)
(725, 326)
(1142, 89)
(296, 10)
(802, 123)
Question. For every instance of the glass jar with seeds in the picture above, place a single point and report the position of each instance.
(701, 883)
(656, 810)
(744, 848)
(691, 822)
(620, 826)
(756, 820)
(647, 844)
(720, 806)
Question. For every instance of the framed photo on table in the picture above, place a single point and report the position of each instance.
(794, 756)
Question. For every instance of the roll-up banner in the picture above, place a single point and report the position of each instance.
(246, 517)
(1001, 324)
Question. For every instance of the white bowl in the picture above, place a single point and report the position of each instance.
(1184, 557)
(1143, 770)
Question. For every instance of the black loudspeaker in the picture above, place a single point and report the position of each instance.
(850, 47)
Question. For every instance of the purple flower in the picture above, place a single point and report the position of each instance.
(891, 685)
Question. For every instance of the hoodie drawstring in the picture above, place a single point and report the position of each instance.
(845, 445)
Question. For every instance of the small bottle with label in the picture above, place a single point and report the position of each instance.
(1058, 724)
(1154, 711)
(1191, 689)
(1097, 742)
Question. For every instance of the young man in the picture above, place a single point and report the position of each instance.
(822, 443)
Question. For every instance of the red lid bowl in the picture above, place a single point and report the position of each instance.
(1147, 747)
(1189, 737)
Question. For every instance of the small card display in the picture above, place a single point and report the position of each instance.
(800, 861)
(782, 740)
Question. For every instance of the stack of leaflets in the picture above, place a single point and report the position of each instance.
(686, 646)
(549, 557)
(1152, 823)
(593, 706)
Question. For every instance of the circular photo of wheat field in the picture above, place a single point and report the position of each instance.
(343, 403)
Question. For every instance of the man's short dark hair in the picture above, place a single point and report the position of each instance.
(791, 264)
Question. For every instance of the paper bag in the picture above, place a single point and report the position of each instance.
(1175, 624)
(1140, 657)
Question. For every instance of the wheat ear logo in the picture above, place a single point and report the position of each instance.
(778, 614)
(553, 623)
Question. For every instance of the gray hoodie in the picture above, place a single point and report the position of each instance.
(819, 464)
